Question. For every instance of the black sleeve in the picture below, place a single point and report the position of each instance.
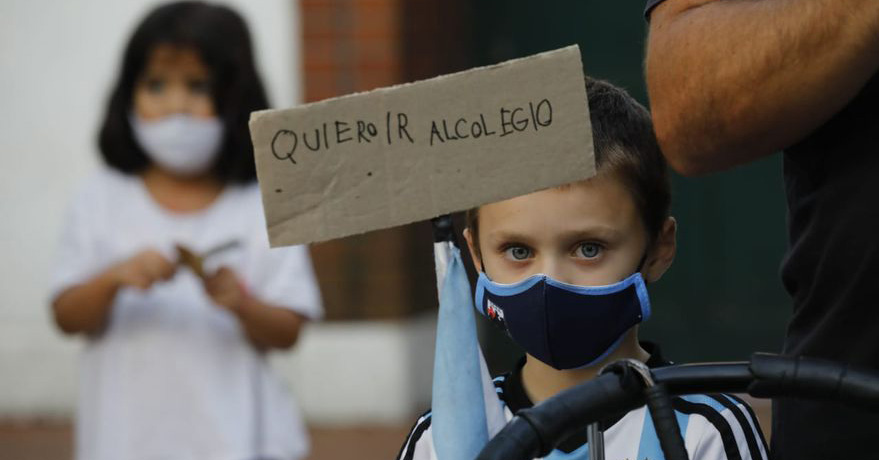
(650, 5)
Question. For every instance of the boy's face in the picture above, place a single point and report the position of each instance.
(588, 233)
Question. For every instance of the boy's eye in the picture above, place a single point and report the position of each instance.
(518, 252)
(589, 250)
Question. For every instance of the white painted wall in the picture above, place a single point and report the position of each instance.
(364, 372)
(58, 60)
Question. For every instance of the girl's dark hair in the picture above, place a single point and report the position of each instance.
(220, 36)
(625, 145)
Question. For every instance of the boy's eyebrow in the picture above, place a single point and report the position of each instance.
(600, 232)
(508, 236)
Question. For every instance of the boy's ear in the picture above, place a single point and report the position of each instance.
(474, 254)
(663, 252)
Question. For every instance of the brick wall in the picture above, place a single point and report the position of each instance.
(359, 45)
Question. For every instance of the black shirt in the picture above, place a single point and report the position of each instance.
(831, 270)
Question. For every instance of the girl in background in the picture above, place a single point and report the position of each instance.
(173, 366)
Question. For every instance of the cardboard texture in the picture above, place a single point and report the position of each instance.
(412, 152)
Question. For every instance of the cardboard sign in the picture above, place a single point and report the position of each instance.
(412, 152)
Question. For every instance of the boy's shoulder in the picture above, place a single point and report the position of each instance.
(418, 440)
(419, 443)
(723, 423)
(714, 426)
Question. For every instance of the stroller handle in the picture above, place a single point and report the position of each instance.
(535, 432)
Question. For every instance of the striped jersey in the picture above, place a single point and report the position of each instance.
(714, 427)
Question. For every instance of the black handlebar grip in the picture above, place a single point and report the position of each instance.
(780, 376)
(535, 432)
(517, 440)
(571, 410)
(665, 422)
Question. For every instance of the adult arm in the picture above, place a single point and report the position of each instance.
(731, 81)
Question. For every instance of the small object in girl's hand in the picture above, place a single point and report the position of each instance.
(187, 257)
(195, 262)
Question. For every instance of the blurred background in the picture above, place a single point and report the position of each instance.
(721, 300)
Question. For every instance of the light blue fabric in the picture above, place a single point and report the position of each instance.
(459, 420)
(580, 453)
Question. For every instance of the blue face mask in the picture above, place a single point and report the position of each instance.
(564, 325)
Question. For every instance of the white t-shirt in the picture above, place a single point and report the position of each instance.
(173, 376)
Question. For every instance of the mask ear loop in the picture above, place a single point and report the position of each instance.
(643, 261)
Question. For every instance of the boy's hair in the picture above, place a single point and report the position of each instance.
(220, 37)
(625, 145)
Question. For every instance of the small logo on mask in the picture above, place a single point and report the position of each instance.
(495, 313)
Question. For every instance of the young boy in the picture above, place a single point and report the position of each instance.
(564, 272)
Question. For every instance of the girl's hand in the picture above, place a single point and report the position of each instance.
(226, 290)
(144, 269)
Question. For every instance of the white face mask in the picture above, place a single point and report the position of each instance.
(182, 144)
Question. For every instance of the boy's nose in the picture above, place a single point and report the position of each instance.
(555, 269)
